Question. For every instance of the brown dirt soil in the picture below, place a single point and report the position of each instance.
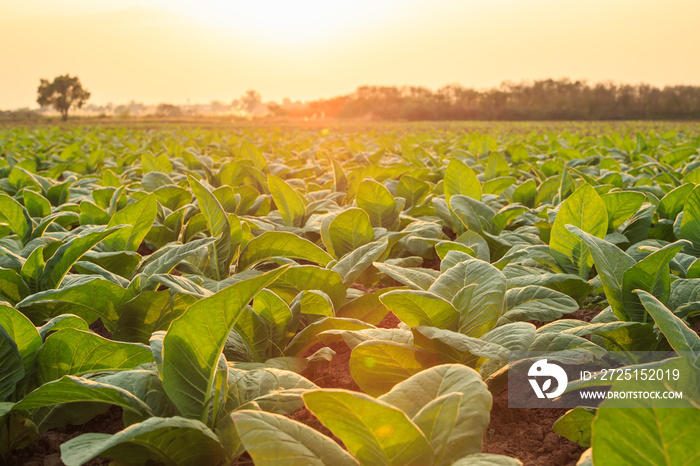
(99, 328)
(584, 314)
(46, 451)
(389, 321)
(527, 434)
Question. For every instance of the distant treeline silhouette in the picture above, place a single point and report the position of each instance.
(548, 99)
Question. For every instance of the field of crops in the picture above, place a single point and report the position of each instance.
(337, 296)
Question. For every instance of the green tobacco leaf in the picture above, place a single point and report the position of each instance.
(172, 440)
(376, 366)
(33, 268)
(373, 431)
(584, 209)
(460, 179)
(309, 335)
(488, 459)
(163, 260)
(281, 244)
(71, 389)
(416, 308)
(140, 216)
(414, 395)
(69, 253)
(16, 217)
(308, 277)
(61, 322)
(272, 439)
(367, 308)
(258, 385)
(11, 363)
(672, 203)
(36, 204)
(289, 202)
(576, 425)
(221, 254)
(611, 263)
(679, 336)
(12, 287)
(194, 342)
(437, 421)
(646, 435)
(348, 231)
(651, 274)
(23, 333)
(474, 215)
(95, 297)
(379, 204)
(354, 263)
(413, 277)
(76, 352)
(477, 290)
(536, 303)
(621, 206)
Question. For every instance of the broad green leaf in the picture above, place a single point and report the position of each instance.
(289, 202)
(477, 290)
(308, 277)
(11, 363)
(621, 206)
(367, 308)
(33, 268)
(351, 266)
(12, 287)
(536, 303)
(474, 215)
(679, 336)
(69, 253)
(16, 217)
(379, 204)
(611, 263)
(36, 204)
(690, 223)
(487, 459)
(413, 277)
(163, 260)
(221, 254)
(373, 431)
(585, 210)
(672, 203)
(140, 216)
(194, 342)
(76, 352)
(96, 297)
(460, 179)
(437, 421)
(71, 389)
(348, 231)
(23, 333)
(172, 440)
(415, 394)
(376, 366)
(61, 322)
(415, 308)
(651, 274)
(273, 439)
(646, 435)
(309, 335)
(261, 386)
(281, 244)
(576, 425)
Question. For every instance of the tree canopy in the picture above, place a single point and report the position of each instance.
(62, 93)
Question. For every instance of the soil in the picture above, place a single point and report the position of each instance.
(46, 451)
(585, 315)
(99, 328)
(527, 434)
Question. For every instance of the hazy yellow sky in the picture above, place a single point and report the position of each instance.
(156, 51)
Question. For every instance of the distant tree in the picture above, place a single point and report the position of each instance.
(62, 93)
(250, 100)
(168, 110)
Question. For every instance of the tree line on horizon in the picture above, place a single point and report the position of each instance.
(547, 99)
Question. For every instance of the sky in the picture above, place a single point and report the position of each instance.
(176, 51)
